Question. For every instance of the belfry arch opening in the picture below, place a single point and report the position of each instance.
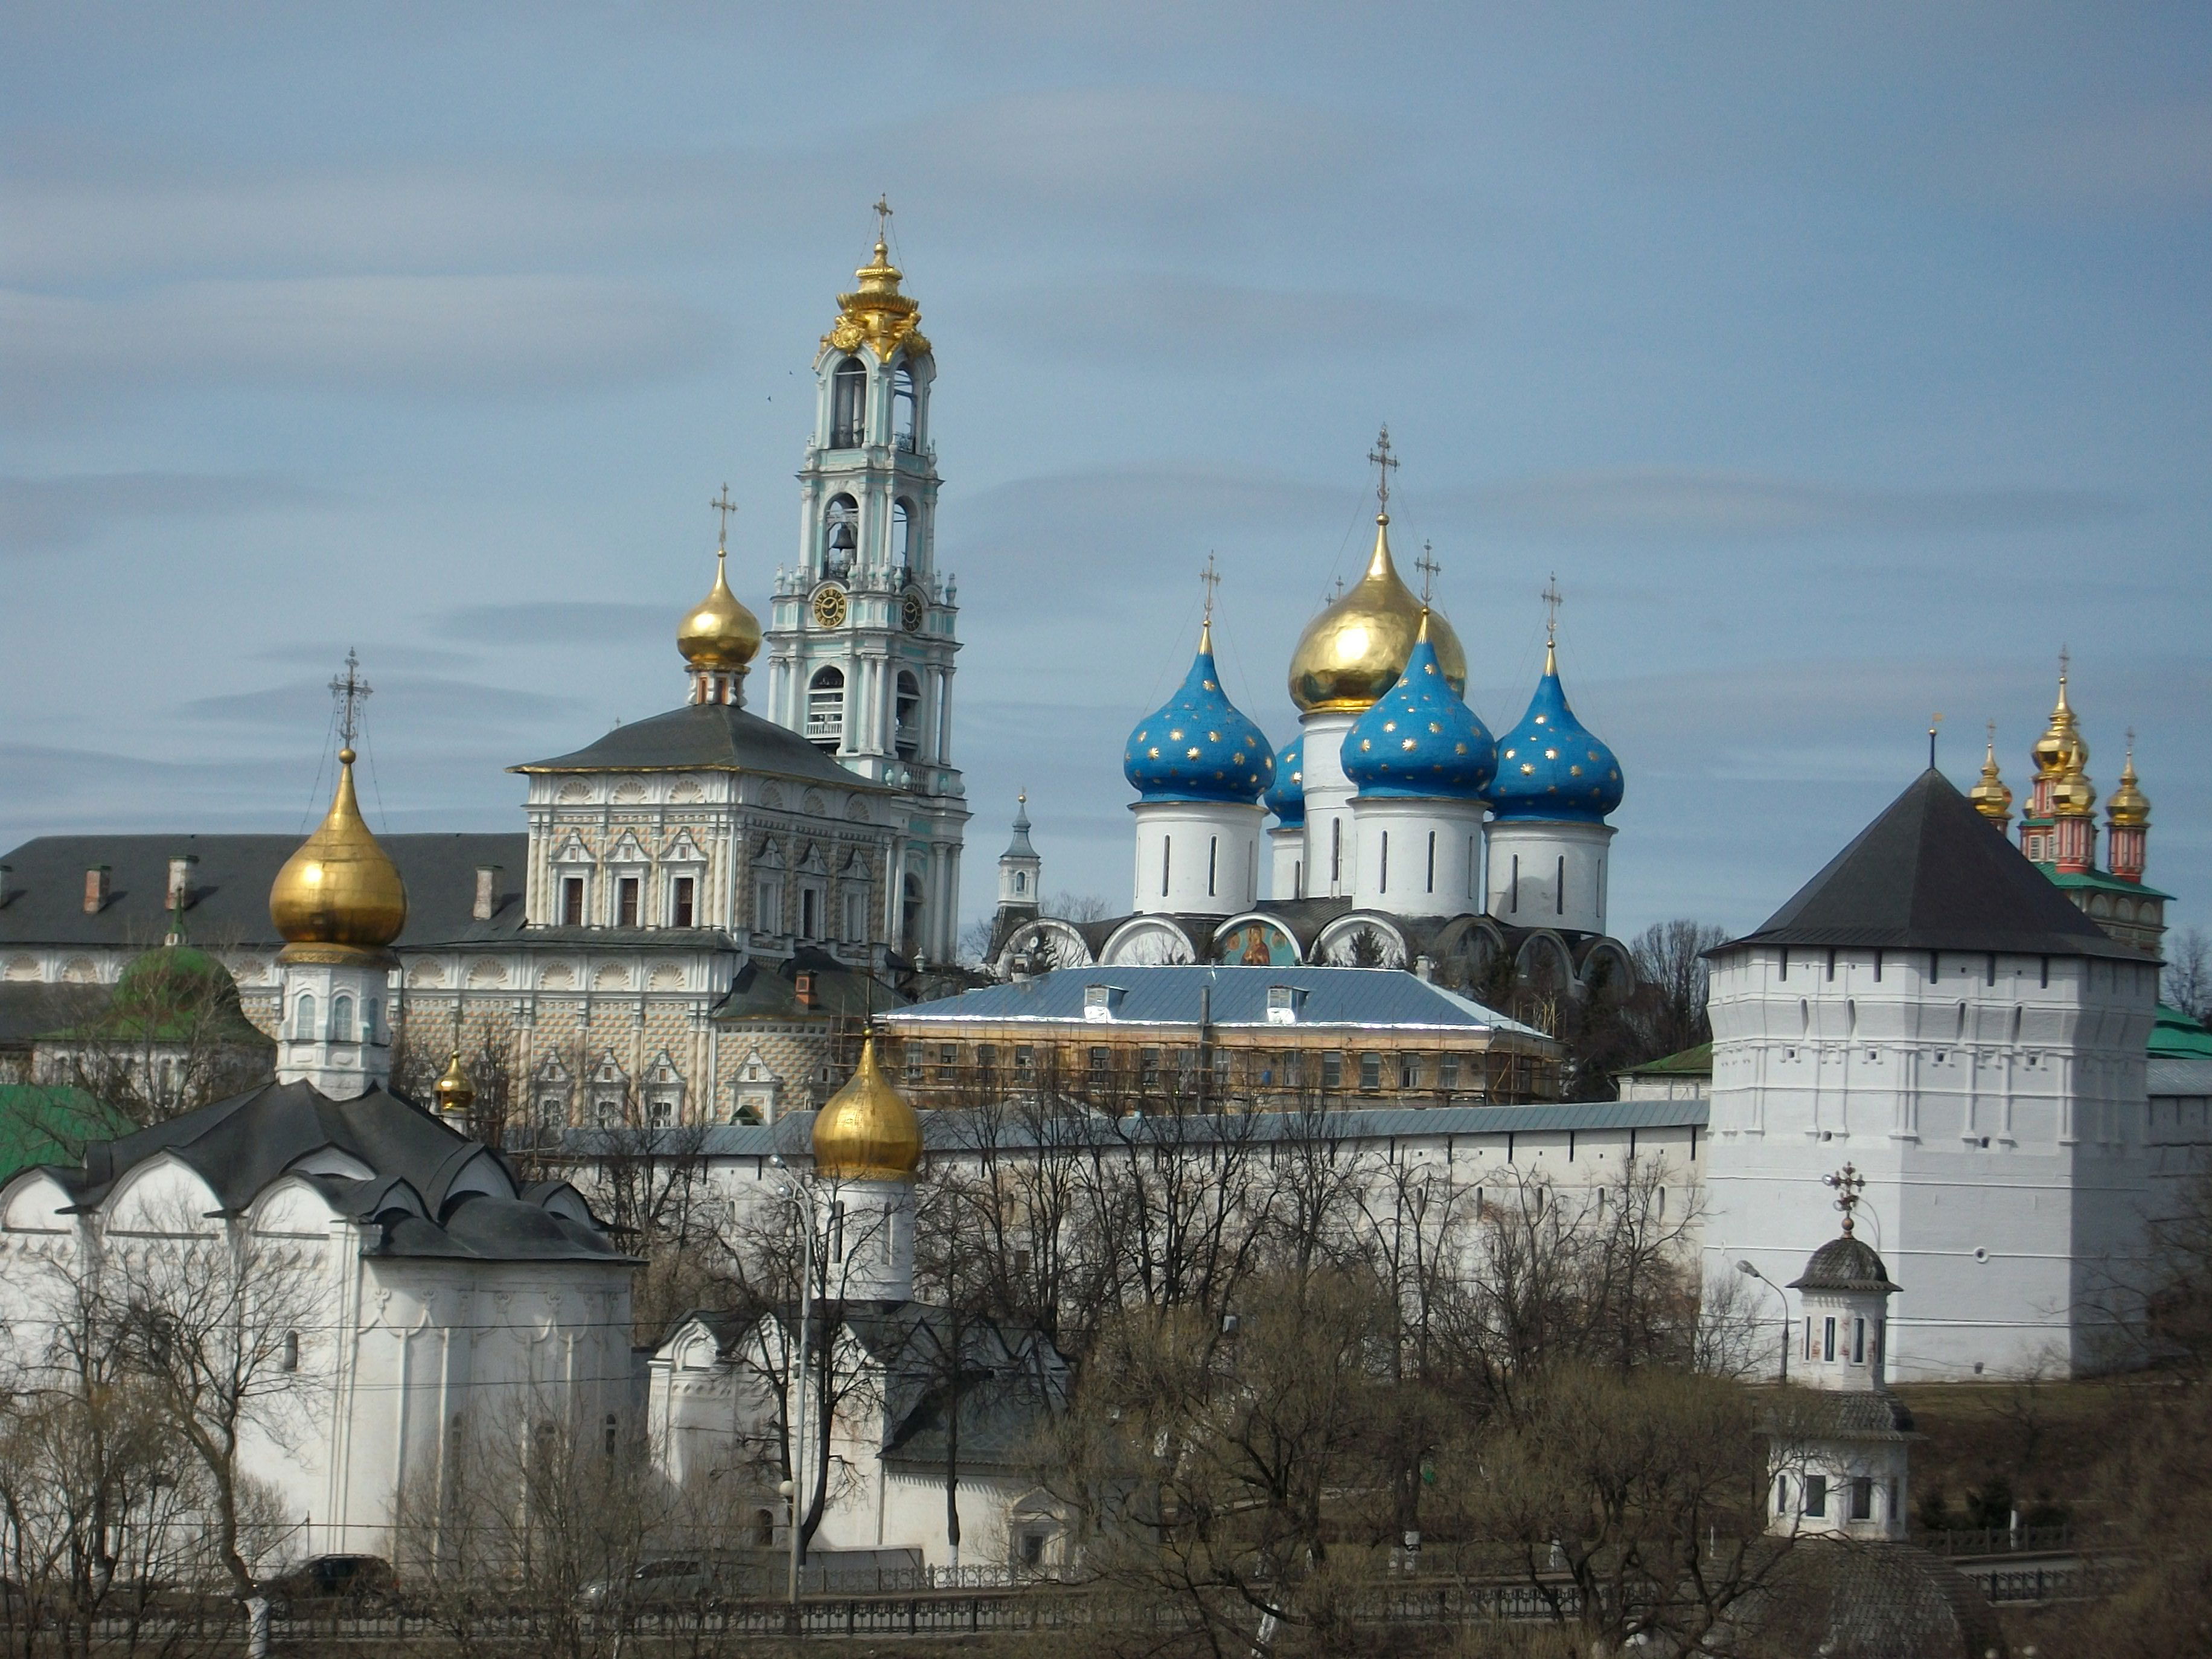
(902, 532)
(907, 712)
(841, 537)
(848, 405)
(825, 708)
(910, 918)
(905, 428)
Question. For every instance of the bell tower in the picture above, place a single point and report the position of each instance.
(862, 636)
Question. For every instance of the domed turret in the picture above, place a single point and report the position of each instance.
(1420, 739)
(1551, 765)
(2129, 808)
(1198, 746)
(453, 1093)
(2127, 839)
(868, 1131)
(340, 892)
(1991, 797)
(1287, 796)
(1354, 651)
(2060, 749)
(719, 638)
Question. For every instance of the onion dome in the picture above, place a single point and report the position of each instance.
(1844, 1264)
(454, 1092)
(340, 891)
(2129, 808)
(868, 1131)
(719, 632)
(1198, 746)
(1420, 739)
(1354, 651)
(878, 313)
(1991, 797)
(1287, 796)
(1551, 765)
(2060, 749)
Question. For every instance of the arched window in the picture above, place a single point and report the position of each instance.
(842, 533)
(342, 1019)
(848, 405)
(763, 1529)
(908, 707)
(1021, 881)
(825, 708)
(303, 1017)
(903, 531)
(903, 428)
(911, 918)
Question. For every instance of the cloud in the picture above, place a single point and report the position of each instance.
(1662, 504)
(493, 335)
(558, 621)
(44, 515)
(416, 702)
(1156, 318)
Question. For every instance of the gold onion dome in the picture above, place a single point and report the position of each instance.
(1991, 797)
(868, 1131)
(2129, 808)
(1354, 651)
(341, 891)
(719, 632)
(2060, 749)
(454, 1091)
(876, 313)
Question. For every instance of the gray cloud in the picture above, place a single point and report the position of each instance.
(1663, 504)
(1188, 322)
(558, 621)
(43, 515)
(417, 702)
(469, 334)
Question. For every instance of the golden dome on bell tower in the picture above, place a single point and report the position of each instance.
(2129, 808)
(868, 1131)
(340, 895)
(719, 633)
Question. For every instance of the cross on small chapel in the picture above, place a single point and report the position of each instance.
(723, 505)
(1553, 599)
(1211, 577)
(1385, 464)
(351, 691)
(1429, 568)
(1848, 1183)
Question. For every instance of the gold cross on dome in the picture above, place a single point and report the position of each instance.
(883, 216)
(2065, 660)
(1385, 463)
(1429, 568)
(723, 505)
(1848, 1183)
(351, 691)
(1211, 577)
(1553, 599)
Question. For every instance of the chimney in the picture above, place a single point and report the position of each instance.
(803, 987)
(96, 890)
(487, 892)
(180, 883)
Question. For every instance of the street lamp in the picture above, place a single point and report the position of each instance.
(798, 1197)
(1750, 1270)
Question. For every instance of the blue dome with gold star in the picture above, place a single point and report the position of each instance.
(1287, 796)
(1419, 738)
(1197, 745)
(1551, 765)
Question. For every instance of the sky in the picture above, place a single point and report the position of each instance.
(1844, 364)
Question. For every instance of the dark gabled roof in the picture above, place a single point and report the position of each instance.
(1931, 873)
(767, 990)
(1847, 1263)
(243, 1145)
(1844, 1598)
(44, 900)
(707, 737)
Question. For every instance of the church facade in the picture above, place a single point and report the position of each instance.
(706, 905)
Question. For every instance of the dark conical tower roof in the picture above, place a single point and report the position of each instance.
(1931, 873)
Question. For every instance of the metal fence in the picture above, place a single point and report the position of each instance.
(1996, 1541)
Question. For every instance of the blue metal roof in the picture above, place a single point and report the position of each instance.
(1369, 998)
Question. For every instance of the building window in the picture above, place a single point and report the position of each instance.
(1025, 1061)
(768, 905)
(903, 422)
(1816, 1496)
(1782, 1494)
(1447, 1070)
(1862, 1498)
(825, 708)
(1148, 1068)
(906, 711)
(1212, 862)
(1332, 1070)
(681, 909)
(303, 1017)
(1513, 890)
(848, 405)
(764, 1529)
(856, 917)
(572, 902)
(1409, 1071)
(1021, 881)
(1432, 862)
(1370, 1071)
(626, 902)
(291, 1360)
(1335, 851)
(809, 906)
(1859, 1342)
(1383, 872)
(342, 1019)
(948, 1062)
(1101, 1066)
(611, 1428)
(1032, 1549)
(1167, 846)
(1828, 1339)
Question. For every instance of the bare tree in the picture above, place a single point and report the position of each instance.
(1667, 1011)
(2186, 982)
(1079, 907)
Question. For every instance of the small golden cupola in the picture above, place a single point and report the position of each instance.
(2129, 808)
(340, 898)
(868, 1131)
(2060, 749)
(454, 1092)
(719, 636)
(1991, 797)
(1354, 651)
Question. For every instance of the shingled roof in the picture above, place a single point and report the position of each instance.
(1931, 873)
(709, 736)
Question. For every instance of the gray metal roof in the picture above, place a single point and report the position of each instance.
(44, 900)
(706, 736)
(1367, 999)
(2180, 1077)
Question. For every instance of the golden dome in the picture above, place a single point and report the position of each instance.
(2060, 749)
(868, 1131)
(719, 632)
(2129, 808)
(1991, 797)
(453, 1091)
(1354, 651)
(340, 891)
(878, 313)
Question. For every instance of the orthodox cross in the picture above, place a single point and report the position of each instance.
(883, 216)
(1553, 599)
(1428, 568)
(2065, 656)
(1934, 720)
(351, 691)
(723, 505)
(1848, 1182)
(1211, 577)
(1385, 464)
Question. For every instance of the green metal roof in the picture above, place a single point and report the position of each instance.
(50, 1123)
(2102, 881)
(2177, 1037)
(1690, 1062)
